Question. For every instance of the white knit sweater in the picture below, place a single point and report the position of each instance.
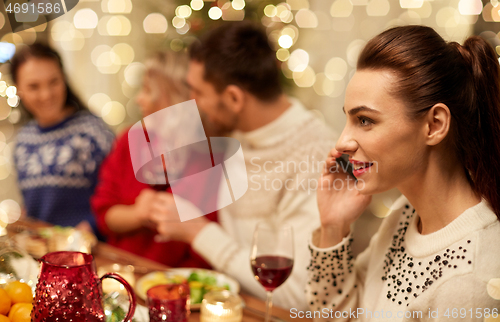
(281, 161)
(449, 275)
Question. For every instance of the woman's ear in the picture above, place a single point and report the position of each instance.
(437, 123)
(234, 98)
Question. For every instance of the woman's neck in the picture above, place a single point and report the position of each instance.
(52, 120)
(439, 195)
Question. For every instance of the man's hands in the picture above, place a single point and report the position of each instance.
(159, 211)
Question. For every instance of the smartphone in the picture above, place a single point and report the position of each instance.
(345, 165)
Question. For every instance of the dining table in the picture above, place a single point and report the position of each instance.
(105, 255)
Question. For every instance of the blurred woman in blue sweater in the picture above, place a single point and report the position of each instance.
(58, 152)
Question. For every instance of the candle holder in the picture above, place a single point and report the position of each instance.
(169, 302)
(221, 306)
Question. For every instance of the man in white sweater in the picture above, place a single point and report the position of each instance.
(234, 77)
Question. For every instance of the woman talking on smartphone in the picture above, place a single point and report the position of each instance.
(423, 116)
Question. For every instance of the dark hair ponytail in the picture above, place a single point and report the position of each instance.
(465, 78)
(481, 149)
(42, 51)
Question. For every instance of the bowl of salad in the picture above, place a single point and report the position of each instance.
(201, 281)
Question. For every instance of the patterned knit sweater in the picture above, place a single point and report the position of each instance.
(57, 167)
(449, 275)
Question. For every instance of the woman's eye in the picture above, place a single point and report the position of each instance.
(56, 82)
(364, 121)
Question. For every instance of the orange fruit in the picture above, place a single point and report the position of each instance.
(21, 312)
(13, 310)
(3, 318)
(19, 292)
(5, 302)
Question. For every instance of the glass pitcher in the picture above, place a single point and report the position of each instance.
(69, 289)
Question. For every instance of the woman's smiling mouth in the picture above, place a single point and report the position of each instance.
(360, 167)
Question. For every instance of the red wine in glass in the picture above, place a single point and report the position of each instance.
(271, 258)
(159, 187)
(272, 271)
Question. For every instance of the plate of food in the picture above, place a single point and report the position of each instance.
(200, 282)
(40, 241)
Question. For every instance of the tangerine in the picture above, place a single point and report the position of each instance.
(21, 312)
(19, 292)
(13, 310)
(5, 302)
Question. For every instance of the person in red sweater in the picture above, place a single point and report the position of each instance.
(125, 207)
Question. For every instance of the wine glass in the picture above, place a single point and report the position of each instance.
(272, 258)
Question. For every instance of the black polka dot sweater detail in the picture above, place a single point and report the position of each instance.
(401, 269)
(330, 269)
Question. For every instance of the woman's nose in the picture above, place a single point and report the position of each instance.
(346, 144)
(45, 94)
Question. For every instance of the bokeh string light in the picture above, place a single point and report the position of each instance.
(316, 42)
(455, 19)
(286, 17)
(301, 15)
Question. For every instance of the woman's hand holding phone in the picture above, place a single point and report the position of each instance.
(340, 203)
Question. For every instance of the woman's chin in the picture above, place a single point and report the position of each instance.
(368, 188)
